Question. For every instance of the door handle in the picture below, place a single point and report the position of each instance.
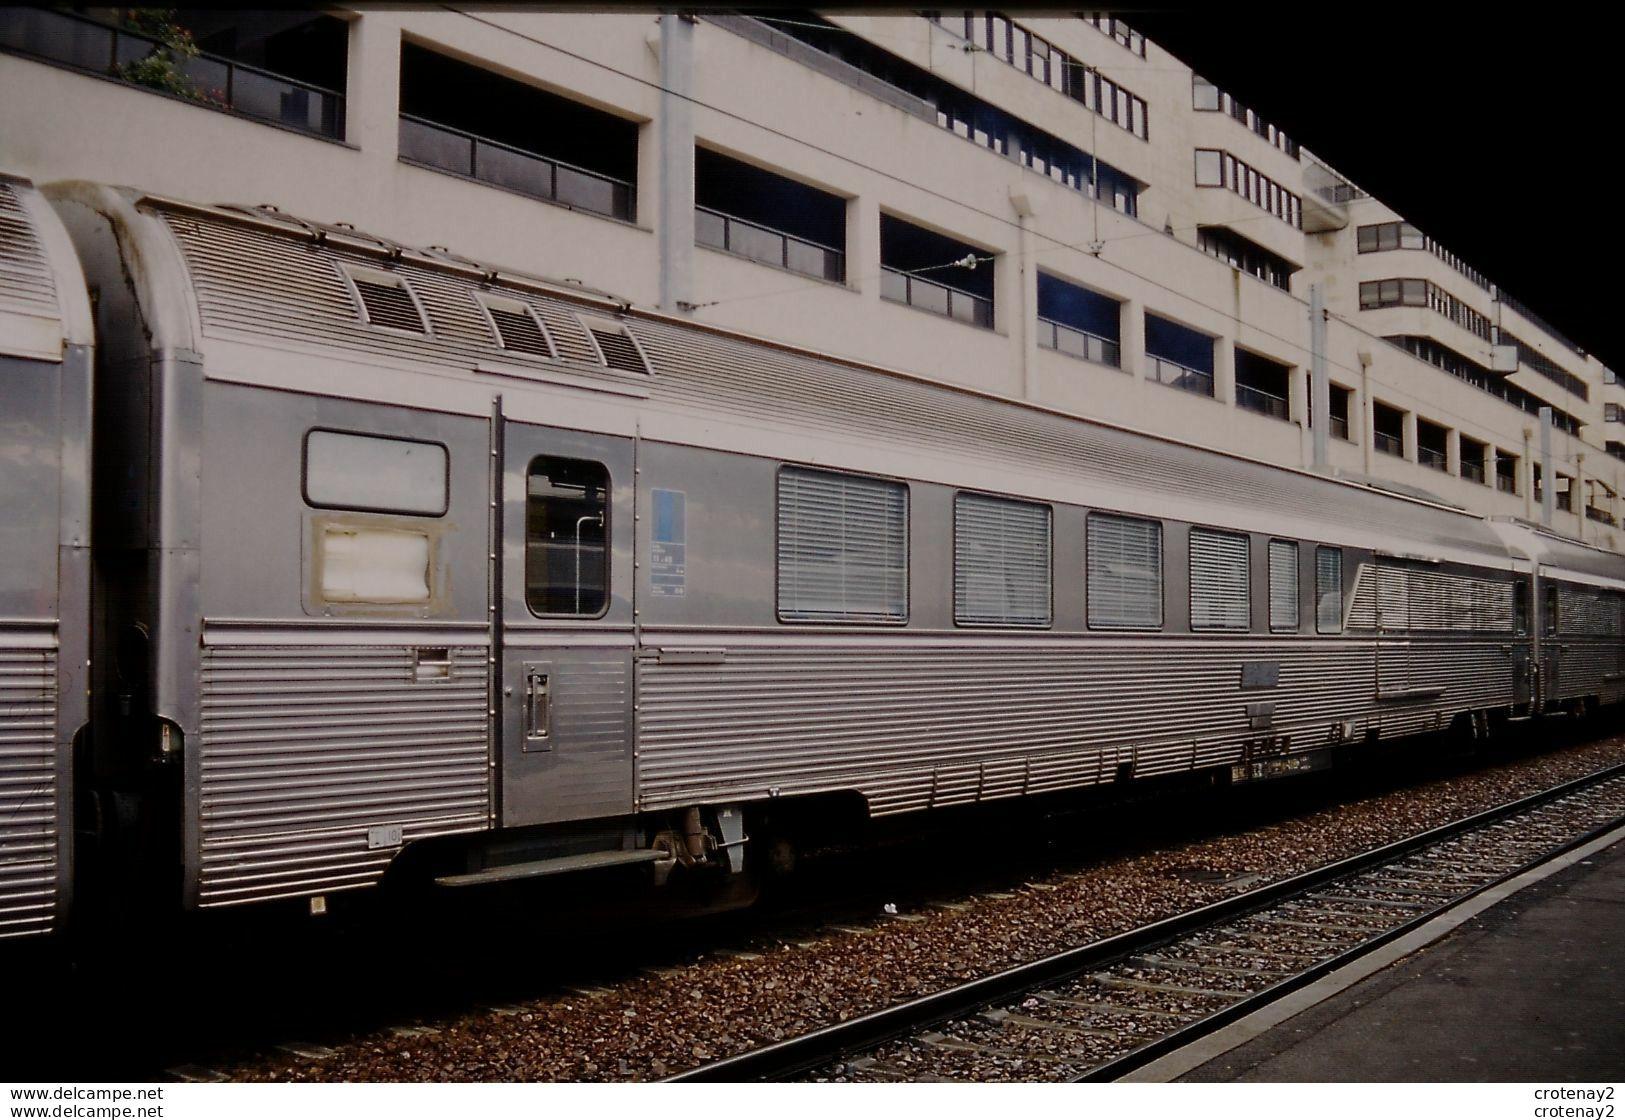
(538, 708)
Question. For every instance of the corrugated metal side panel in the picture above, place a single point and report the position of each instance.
(1398, 598)
(26, 280)
(906, 724)
(1219, 578)
(29, 872)
(1584, 668)
(1594, 613)
(304, 749)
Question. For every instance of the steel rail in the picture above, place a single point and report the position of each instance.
(783, 1059)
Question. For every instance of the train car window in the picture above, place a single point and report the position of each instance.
(1124, 573)
(375, 474)
(1549, 624)
(1520, 606)
(842, 548)
(1001, 562)
(1220, 563)
(566, 527)
(1284, 586)
(1329, 590)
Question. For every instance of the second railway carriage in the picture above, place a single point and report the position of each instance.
(399, 553)
(45, 410)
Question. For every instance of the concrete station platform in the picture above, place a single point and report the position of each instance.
(1526, 983)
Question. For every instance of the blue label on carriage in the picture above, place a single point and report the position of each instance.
(667, 573)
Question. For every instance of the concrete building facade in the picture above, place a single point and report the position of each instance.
(1051, 208)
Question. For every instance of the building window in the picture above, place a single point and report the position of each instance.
(963, 113)
(473, 122)
(1541, 364)
(1124, 573)
(935, 273)
(1178, 356)
(1219, 578)
(1382, 237)
(1284, 586)
(1328, 590)
(1432, 445)
(1506, 471)
(1079, 322)
(1237, 252)
(1376, 294)
(1217, 168)
(1001, 562)
(566, 535)
(752, 213)
(1472, 453)
(1388, 429)
(1476, 375)
(1339, 408)
(1262, 386)
(1012, 43)
(1613, 413)
(284, 67)
(842, 547)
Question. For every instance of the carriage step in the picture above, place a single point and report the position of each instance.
(557, 865)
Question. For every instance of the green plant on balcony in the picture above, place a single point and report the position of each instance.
(165, 67)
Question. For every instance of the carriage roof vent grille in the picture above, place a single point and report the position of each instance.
(386, 301)
(619, 349)
(518, 330)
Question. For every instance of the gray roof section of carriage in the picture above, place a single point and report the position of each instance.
(43, 304)
(1559, 554)
(256, 278)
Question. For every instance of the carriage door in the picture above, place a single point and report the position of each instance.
(1521, 690)
(566, 635)
(1551, 653)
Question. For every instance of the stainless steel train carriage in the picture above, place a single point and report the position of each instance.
(404, 561)
(45, 371)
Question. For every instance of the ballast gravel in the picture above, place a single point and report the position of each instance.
(652, 1025)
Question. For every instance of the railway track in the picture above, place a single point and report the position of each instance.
(1099, 1011)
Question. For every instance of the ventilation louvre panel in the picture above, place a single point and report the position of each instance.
(390, 305)
(518, 330)
(620, 352)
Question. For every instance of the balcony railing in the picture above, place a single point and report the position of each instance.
(928, 295)
(1257, 400)
(463, 153)
(1388, 443)
(770, 246)
(1595, 514)
(1079, 344)
(1433, 457)
(1167, 372)
(99, 48)
(1506, 483)
(1472, 470)
(1340, 427)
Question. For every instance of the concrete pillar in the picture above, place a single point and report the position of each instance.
(675, 230)
(1452, 452)
(1020, 314)
(863, 244)
(1132, 338)
(1409, 437)
(1224, 371)
(372, 99)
